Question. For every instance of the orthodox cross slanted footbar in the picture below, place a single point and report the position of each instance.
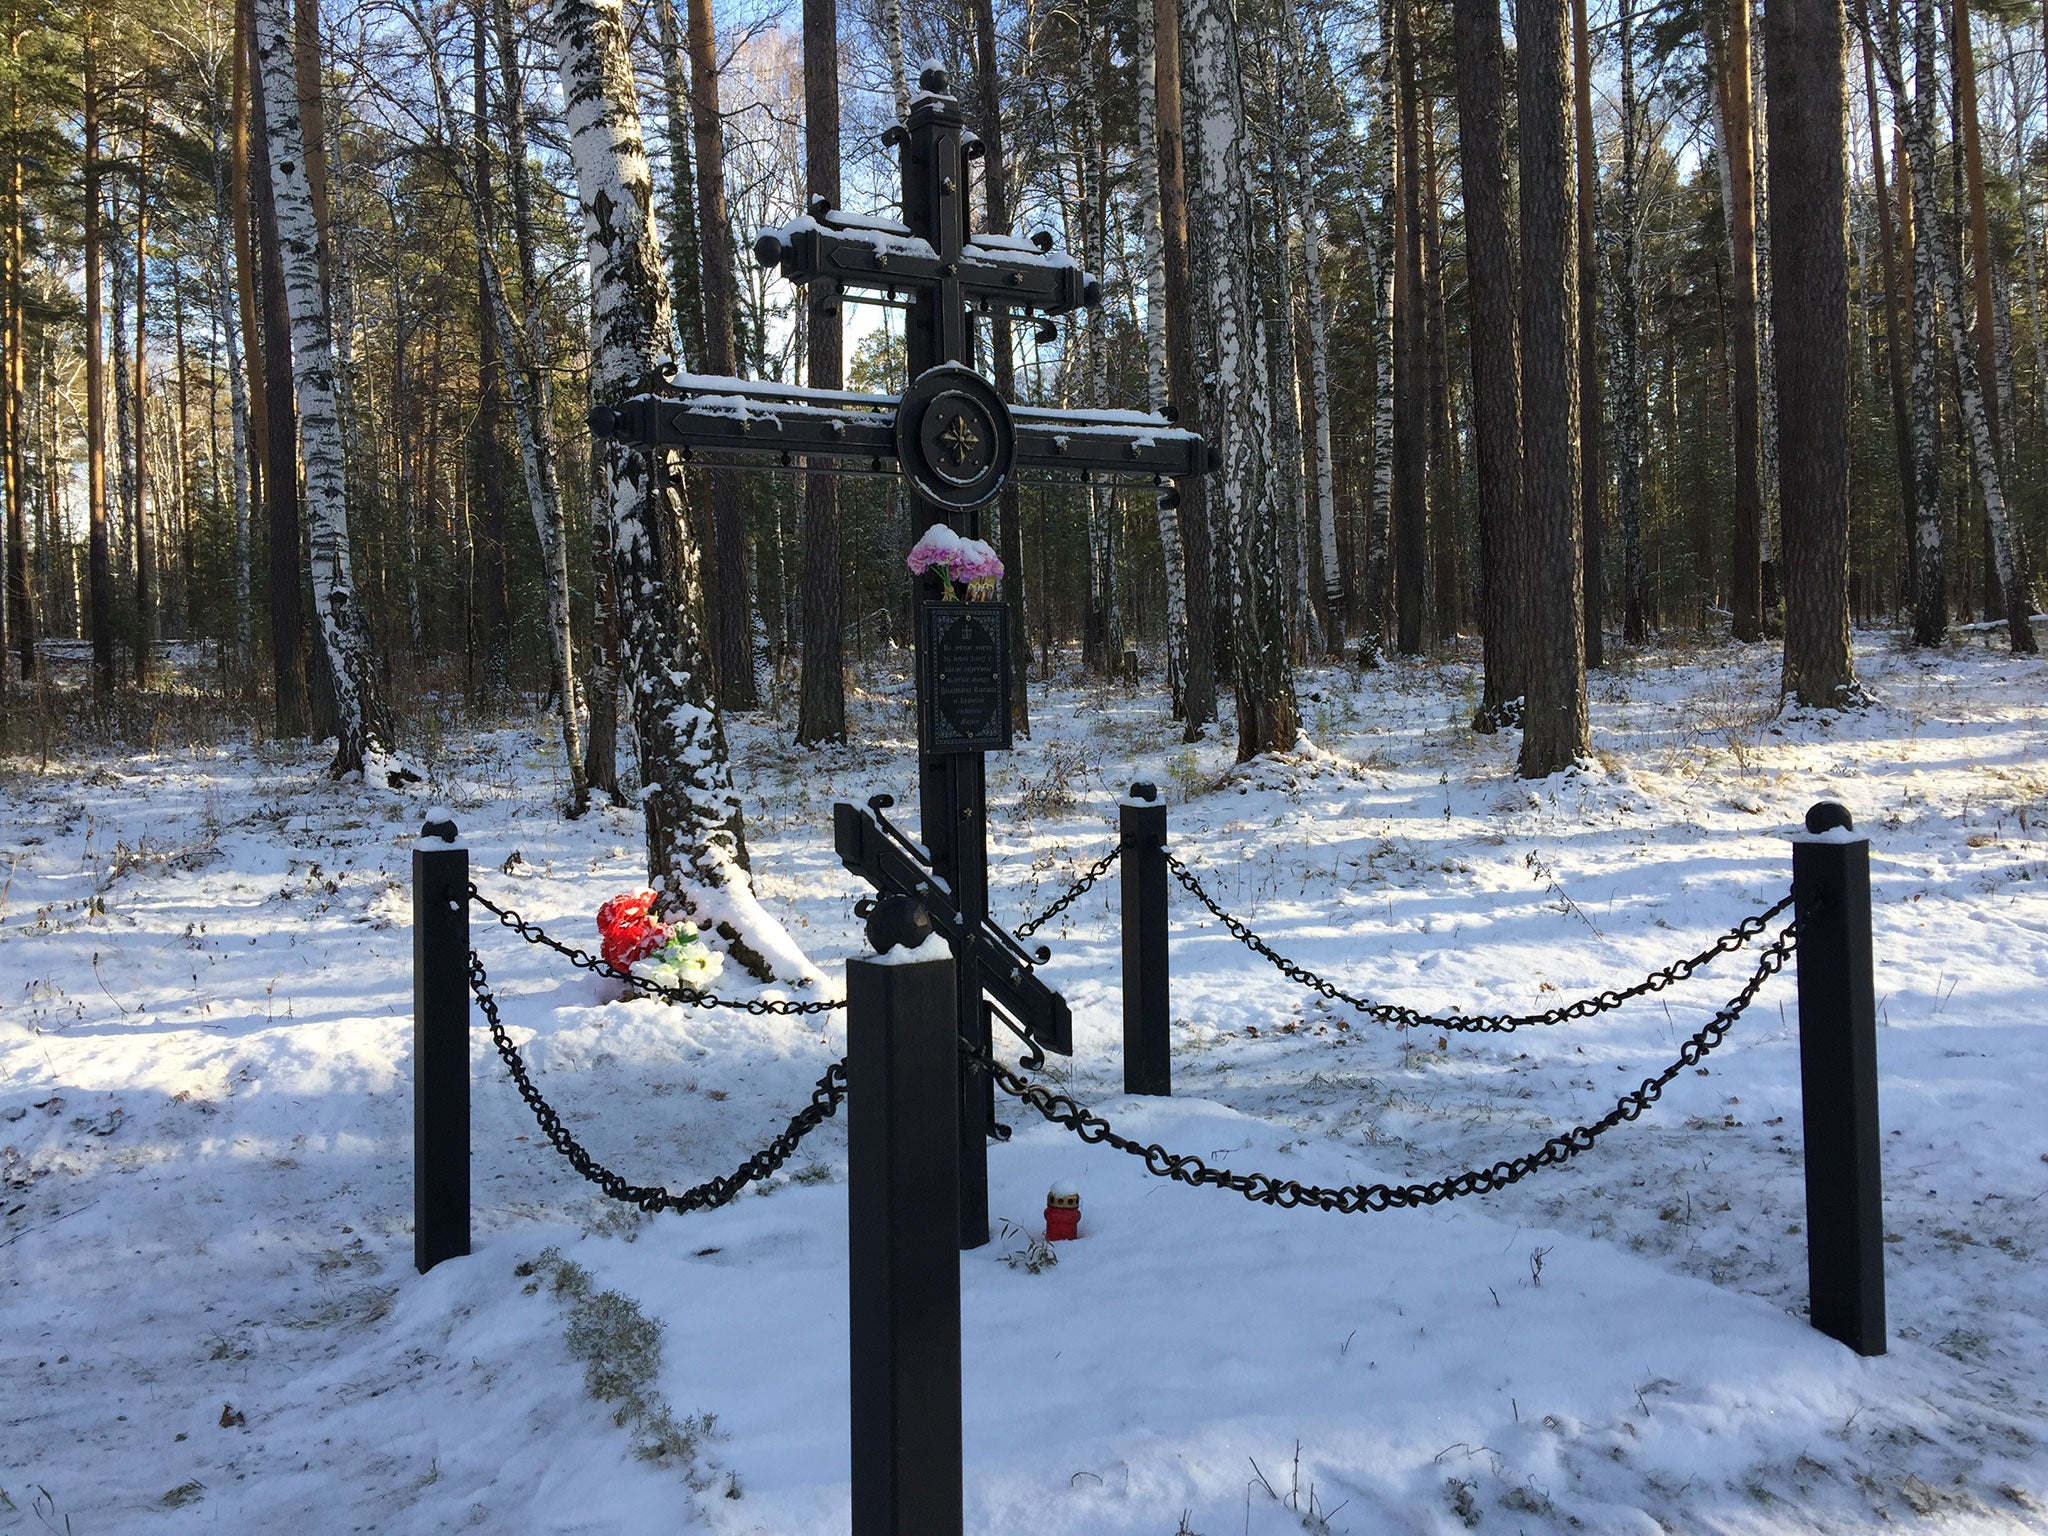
(958, 443)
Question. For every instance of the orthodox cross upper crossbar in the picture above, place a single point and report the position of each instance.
(949, 432)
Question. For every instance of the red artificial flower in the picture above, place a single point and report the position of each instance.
(629, 929)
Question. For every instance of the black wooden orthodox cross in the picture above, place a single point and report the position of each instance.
(957, 441)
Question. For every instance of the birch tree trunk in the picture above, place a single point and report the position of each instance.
(1331, 589)
(1932, 235)
(892, 42)
(363, 730)
(1808, 105)
(1554, 725)
(1895, 351)
(1199, 694)
(1496, 365)
(1268, 717)
(1767, 352)
(1167, 501)
(696, 849)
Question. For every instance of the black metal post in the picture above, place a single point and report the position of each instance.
(902, 1074)
(1838, 1080)
(440, 1046)
(1148, 1057)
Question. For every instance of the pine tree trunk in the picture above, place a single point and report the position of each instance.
(238, 390)
(685, 268)
(493, 362)
(101, 556)
(696, 849)
(1496, 366)
(821, 690)
(730, 606)
(1627, 355)
(1199, 688)
(23, 621)
(1745, 585)
(363, 730)
(292, 697)
(1587, 156)
(1382, 264)
(536, 450)
(1894, 345)
(1808, 106)
(1444, 603)
(1932, 236)
(1268, 718)
(996, 215)
(1411, 386)
(1554, 726)
(145, 536)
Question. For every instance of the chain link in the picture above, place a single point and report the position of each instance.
(1351, 1198)
(1486, 1023)
(1074, 893)
(826, 1098)
(690, 996)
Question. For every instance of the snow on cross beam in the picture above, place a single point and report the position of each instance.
(857, 432)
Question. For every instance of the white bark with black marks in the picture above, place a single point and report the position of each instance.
(1933, 235)
(1237, 408)
(337, 607)
(696, 852)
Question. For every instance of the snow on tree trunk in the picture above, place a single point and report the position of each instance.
(696, 849)
(360, 723)
(1238, 411)
(1167, 502)
(1933, 234)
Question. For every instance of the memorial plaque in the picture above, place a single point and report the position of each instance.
(965, 682)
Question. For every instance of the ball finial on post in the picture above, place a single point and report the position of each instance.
(898, 921)
(1827, 815)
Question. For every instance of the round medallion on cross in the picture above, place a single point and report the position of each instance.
(953, 436)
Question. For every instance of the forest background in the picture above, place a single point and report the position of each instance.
(1637, 323)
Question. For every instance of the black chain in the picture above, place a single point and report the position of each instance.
(534, 934)
(1486, 1023)
(1075, 892)
(825, 1099)
(1351, 1198)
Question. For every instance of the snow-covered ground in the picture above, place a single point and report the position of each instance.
(209, 1318)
